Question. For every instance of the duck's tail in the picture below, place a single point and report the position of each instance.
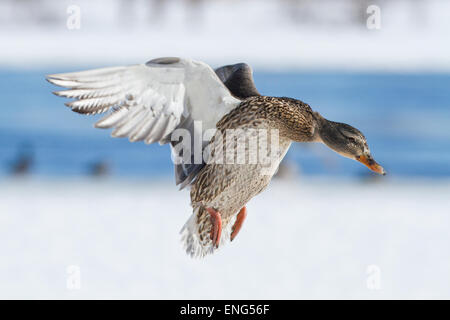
(195, 234)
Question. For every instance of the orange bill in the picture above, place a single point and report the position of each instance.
(371, 164)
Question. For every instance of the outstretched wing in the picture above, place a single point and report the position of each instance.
(238, 78)
(148, 101)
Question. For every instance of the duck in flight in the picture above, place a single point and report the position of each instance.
(152, 102)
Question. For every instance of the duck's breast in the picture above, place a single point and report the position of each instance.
(245, 170)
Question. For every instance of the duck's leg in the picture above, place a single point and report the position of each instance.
(216, 228)
(238, 224)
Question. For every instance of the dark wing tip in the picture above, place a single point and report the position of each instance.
(238, 78)
(225, 72)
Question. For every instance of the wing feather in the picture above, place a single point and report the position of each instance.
(149, 101)
(112, 119)
(141, 131)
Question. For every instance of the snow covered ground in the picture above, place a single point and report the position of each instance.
(413, 36)
(302, 239)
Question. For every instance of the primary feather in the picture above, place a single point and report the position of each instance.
(149, 101)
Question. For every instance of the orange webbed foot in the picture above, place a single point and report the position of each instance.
(238, 224)
(216, 228)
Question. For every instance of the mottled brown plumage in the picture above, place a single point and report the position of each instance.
(292, 117)
(228, 187)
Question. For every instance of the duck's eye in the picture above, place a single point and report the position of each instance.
(352, 139)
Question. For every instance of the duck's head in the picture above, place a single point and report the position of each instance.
(347, 141)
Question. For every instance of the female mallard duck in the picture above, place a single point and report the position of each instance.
(167, 99)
